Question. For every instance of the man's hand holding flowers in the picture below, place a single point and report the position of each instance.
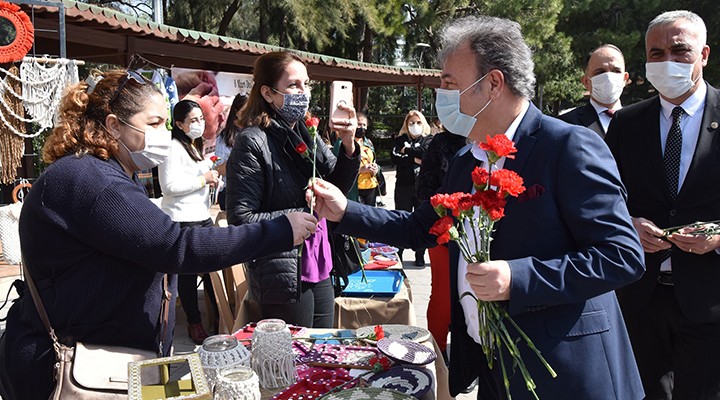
(490, 280)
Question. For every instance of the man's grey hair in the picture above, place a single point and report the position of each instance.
(670, 17)
(497, 44)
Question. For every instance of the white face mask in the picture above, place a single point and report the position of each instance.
(671, 79)
(416, 130)
(156, 151)
(196, 130)
(447, 105)
(607, 87)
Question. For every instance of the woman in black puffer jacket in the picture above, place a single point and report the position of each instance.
(267, 173)
(407, 153)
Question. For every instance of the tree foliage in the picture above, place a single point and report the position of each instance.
(560, 32)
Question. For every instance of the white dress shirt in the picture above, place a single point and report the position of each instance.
(690, 127)
(602, 116)
(468, 303)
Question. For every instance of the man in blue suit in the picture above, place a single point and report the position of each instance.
(562, 247)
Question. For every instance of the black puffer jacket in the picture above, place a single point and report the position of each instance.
(407, 166)
(266, 177)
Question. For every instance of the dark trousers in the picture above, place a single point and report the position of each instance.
(187, 286)
(316, 308)
(678, 359)
(221, 199)
(368, 196)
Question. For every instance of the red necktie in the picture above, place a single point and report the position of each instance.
(609, 112)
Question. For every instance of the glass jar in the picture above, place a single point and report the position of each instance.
(219, 352)
(237, 383)
(272, 357)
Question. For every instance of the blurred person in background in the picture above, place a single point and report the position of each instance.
(366, 188)
(226, 140)
(407, 154)
(186, 179)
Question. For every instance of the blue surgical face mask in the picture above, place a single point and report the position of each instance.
(447, 105)
(294, 107)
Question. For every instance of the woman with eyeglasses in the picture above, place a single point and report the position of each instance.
(268, 171)
(185, 179)
(98, 249)
(407, 153)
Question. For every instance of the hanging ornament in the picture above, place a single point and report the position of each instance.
(16, 33)
(12, 144)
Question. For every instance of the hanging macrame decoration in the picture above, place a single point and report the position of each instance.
(16, 33)
(12, 144)
(42, 88)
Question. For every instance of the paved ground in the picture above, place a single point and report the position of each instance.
(419, 278)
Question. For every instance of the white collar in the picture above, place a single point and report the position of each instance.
(600, 108)
(510, 133)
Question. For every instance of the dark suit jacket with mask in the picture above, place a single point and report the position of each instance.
(569, 242)
(634, 139)
(584, 116)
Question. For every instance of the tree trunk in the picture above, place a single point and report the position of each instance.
(195, 15)
(366, 56)
(263, 21)
(227, 17)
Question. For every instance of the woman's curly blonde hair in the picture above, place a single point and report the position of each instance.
(81, 116)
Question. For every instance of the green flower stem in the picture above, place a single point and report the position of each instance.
(506, 381)
(363, 279)
(531, 345)
(314, 170)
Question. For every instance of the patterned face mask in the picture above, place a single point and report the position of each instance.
(294, 107)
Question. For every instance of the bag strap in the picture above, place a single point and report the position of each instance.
(38, 303)
(164, 308)
(164, 312)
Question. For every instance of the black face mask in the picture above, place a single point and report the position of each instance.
(360, 132)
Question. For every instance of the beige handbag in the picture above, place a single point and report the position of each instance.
(94, 371)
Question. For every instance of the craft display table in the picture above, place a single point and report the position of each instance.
(437, 370)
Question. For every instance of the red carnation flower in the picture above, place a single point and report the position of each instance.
(442, 228)
(312, 122)
(379, 333)
(501, 146)
(507, 182)
(480, 176)
(492, 202)
(301, 148)
(465, 203)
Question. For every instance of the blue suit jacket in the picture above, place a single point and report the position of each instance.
(569, 242)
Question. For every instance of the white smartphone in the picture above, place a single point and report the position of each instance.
(340, 93)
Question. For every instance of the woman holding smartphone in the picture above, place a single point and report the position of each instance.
(267, 173)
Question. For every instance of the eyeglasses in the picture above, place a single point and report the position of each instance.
(129, 76)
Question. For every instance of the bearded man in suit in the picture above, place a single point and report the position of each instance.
(559, 252)
(668, 151)
(604, 78)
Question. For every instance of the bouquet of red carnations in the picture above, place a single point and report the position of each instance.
(468, 220)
